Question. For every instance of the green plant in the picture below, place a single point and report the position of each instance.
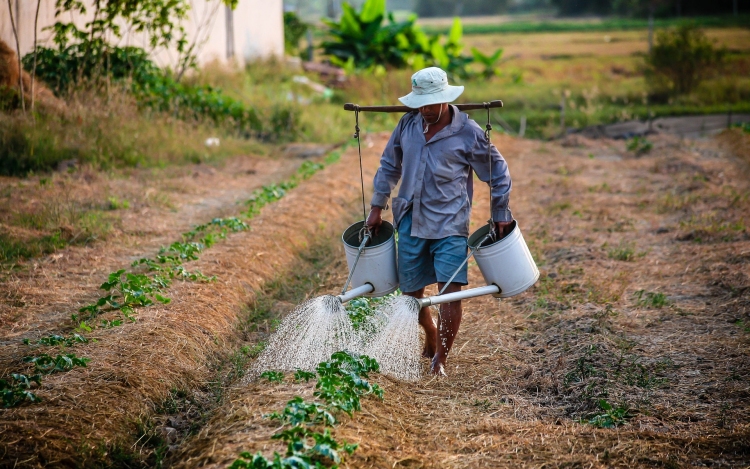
(489, 62)
(341, 383)
(54, 339)
(300, 375)
(681, 58)
(128, 291)
(16, 390)
(639, 145)
(49, 364)
(610, 417)
(113, 203)
(624, 251)
(651, 299)
(294, 29)
(273, 376)
(360, 309)
(359, 40)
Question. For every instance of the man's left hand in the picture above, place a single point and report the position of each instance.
(503, 228)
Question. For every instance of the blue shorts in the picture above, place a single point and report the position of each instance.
(422, 262)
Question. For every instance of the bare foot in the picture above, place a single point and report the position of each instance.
(438, 366)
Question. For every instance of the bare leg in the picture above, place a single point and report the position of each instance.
(448, 324)
(430, 331)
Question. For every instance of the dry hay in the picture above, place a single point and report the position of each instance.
(89, 411)
(163, 204)
(526, 372)
(9, 79)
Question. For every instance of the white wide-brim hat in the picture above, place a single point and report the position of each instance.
(430, 86)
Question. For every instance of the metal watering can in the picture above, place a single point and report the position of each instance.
(506, 265)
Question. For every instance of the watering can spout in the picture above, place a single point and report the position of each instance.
(356, 292)
(459, 295)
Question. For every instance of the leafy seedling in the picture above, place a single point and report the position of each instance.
(651, 299)
(273, 376)
(48, 364)
(611, 417)
(17, 390)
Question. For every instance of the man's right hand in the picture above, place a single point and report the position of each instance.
(374, 220)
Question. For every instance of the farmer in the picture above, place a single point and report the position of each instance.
(433, 152)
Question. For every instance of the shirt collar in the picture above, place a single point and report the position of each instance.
(457, 123)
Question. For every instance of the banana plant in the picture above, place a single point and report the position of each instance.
(488, 61)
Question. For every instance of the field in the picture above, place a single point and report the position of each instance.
(630, 351)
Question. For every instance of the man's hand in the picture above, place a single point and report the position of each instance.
(374, 220)
(503, 228)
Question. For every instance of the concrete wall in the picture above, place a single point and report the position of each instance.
(255, 27)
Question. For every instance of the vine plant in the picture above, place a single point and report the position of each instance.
(306, 426)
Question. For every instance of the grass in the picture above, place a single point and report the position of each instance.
(607, 24)
(624, 251)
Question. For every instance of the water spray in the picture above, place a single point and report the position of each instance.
(321, 325)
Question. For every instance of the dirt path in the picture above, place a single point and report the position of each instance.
(162, 205)
(643, 305)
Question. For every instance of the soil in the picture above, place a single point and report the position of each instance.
(643, 305)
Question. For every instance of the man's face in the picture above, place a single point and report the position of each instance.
(432, 112)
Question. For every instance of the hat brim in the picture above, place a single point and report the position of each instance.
(415, 101)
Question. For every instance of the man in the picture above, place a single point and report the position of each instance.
(433, 153)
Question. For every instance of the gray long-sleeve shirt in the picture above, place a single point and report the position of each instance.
(436, 175)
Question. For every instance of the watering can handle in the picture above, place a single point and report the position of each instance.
(359, 253)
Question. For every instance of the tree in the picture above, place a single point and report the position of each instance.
(682, 58)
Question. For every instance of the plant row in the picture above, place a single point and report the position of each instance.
(143, 286)
(306, 425)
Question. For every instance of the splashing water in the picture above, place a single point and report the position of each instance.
(309, 335)
(398, 346)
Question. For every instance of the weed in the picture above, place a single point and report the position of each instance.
(113, 203)
(48, 364)
(610, 417)
(273, 376)
(651, 299)
(744, 325)
(639, 145)
(16, 390)
(624, 251)
(584, 368)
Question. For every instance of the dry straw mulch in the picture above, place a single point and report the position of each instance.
(527, 373)
(89, 411)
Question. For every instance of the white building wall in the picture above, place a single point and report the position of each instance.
(258, 30)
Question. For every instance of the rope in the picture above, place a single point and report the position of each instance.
(359, 149)
(488, 128)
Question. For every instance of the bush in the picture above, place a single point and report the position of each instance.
(360, 40)
(71, 67)
(681, 59)
(63, 69)
(294, 29)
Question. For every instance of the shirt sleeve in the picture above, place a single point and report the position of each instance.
(389, 171)
(501, 183)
